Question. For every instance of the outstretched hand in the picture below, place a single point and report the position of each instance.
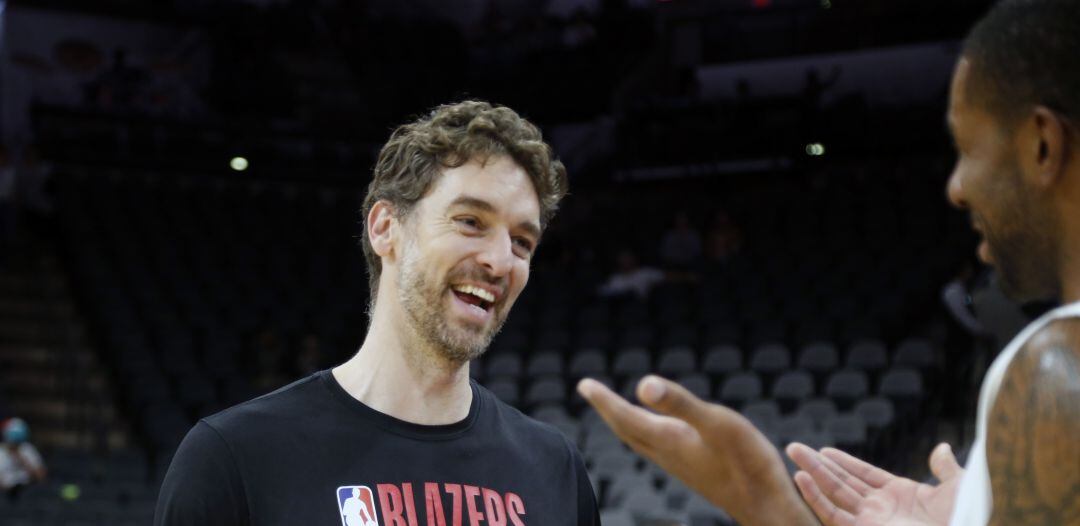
(845, 491)
(714, 450)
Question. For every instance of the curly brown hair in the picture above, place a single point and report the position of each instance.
(450, 136)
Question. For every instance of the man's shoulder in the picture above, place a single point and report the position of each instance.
(294, 400)
(1057, 335)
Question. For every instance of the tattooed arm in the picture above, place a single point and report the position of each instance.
(1033, 443)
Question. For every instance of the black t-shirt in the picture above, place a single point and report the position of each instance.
(310, 454)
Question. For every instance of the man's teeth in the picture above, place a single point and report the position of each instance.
(476, 291)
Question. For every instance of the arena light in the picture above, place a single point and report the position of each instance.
(815, 149)
(238, 163)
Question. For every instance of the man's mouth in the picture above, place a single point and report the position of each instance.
(984, 252)
(474, 296)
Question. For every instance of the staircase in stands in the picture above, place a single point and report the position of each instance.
(49, 375)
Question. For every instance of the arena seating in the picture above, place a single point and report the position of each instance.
(200, 288)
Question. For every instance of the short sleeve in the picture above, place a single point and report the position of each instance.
(202, 485)
(31, 455)
(588, 510)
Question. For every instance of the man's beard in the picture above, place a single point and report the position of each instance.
(1024, 248)
(424, 302)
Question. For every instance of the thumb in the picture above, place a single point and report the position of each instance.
(943, 463)
(672, 399)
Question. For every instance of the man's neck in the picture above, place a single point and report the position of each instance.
(1070, 287)
(398, 375)
(1069, 210)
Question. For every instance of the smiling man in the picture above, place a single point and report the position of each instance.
(453, 215)
(1014, 109)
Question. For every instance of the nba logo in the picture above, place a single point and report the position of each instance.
(357, 506)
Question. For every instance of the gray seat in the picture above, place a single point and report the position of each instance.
(849, 430)
(549, 390)
(626, 483)
(877, 412)
(551, 414)
(847, 385)
(816, 439)
(818, 357)
(545, 363)
(794, 427)
(676, 361)
(698, 384)
(819, 410)
(763, 413)
(617, 517)
(588, 362)
(867, 355)
(505, 365)
(722, 359)
(741, 387)
(611, 462)
(793, 386)
(645, 503)
(900, 383)
(771, 358)
(634, 361)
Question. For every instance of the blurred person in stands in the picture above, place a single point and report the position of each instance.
(723, 241)
(455, 211)
(630, 277)
(20, 463)
(1014, 110)
(680, 245)
(7, 203)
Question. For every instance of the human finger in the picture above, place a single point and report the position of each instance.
(670, 398)
(874, 476)
(810, 461)
(860, 487)
(828, 512)
(638, 427)
(943, 463)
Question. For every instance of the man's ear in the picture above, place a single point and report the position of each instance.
(381, 229)
(1048, 146)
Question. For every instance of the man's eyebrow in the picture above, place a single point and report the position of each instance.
(472, 202)
(469, 201)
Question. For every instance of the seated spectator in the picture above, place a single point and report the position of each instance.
(681, 245)
(20, 463)
(724, 240)
(630, 277)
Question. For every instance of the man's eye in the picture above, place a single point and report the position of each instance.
(469, 222)
(524, 243)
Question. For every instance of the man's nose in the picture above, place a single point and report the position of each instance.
(954, 190)
(498, 255)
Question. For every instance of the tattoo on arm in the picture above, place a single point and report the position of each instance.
(1033, 443)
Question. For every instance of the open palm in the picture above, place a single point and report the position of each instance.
(714, 450)
(845, 491)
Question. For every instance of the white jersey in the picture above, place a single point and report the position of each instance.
(12, 471)
(974, 500)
